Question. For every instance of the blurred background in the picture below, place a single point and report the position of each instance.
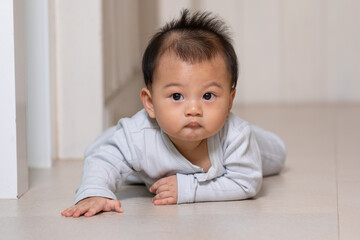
(83, 60)
(290, 52)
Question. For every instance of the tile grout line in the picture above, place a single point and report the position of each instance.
(336, 112)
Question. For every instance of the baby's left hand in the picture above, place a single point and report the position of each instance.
(166, 191)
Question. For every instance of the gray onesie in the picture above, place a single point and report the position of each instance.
(240, 156)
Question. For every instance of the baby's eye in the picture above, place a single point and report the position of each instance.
(208, 96)
(177, 97)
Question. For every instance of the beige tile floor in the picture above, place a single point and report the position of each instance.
(317, 196)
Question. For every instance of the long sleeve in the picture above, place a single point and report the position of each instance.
(242, 176)
(105, 168)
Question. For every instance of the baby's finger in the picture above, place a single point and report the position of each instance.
(162, 195)
(94, 209)
(113, 205)
(91, 212)
(78, 212)
(157, 184)
(68, 212)
(165, 201)
(82, 209)
(119, 209)
(117, 206)
(162, 188)
(154, 187)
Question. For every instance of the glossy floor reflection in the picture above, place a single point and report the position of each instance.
(315, 197)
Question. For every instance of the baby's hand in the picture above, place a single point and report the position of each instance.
(91, 206)
(166, 191)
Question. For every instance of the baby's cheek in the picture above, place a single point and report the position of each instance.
(217, 121)
(168, 125)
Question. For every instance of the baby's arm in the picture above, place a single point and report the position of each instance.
(104, 170)
(91, 206)
(241, 180)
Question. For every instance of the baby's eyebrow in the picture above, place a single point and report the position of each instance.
(172, 85)
(214, 84)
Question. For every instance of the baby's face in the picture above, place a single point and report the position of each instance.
(191, 101)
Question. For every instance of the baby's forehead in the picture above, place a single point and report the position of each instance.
(170, 67)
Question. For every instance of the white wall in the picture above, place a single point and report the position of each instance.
(290, 52)
(78, 74)
(122, 59)
(40, 104)
(13, 164)
(342, 50)
(297, 51)
(121, 43)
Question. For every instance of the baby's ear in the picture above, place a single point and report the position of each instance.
(146, 99)
(232, 96)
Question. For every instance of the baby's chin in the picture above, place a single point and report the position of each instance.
(191, 137)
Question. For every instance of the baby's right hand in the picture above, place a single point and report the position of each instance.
(91, 206)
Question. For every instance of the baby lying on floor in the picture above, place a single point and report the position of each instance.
(185, 145)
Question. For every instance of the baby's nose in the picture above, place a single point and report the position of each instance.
(193, 109)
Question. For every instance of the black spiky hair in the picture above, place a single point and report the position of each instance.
(193, 38)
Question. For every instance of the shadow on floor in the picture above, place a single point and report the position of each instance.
(133, 191)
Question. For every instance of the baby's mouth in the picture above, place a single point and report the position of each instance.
(193, 125)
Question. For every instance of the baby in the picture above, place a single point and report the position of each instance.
(185, 145)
